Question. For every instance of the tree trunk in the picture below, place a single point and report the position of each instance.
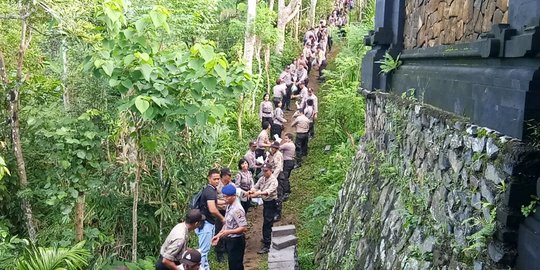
(258, 47)
(134, 212)
(14, 99)
(297, 22)
(285, 15)
(79, 217)
(249, 40)
(267, 67)
(312, 13)
(240, 114)
(65, 96)
(271, 5)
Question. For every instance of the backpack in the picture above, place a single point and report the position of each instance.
(195, 202)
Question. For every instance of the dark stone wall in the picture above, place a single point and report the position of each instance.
(428, 190)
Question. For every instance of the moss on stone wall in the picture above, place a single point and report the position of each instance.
(424, 192)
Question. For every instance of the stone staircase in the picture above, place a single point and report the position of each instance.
(283, 254)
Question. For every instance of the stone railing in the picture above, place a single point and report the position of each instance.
(435, 22)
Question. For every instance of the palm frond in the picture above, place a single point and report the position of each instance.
(52, 258)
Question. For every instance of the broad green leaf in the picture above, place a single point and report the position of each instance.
(141, 104)
(207, 53)
(190, 121)
(201, 118)
(108, 67)
(113, 82)
(90, 135)
(146, 71)
(192, 109)
(127, 83)
(81, 154)
(209, 83)
(140, 25)
(161, 102)
(220, 71)
(128, 59)
(149, 114)
(104, 54)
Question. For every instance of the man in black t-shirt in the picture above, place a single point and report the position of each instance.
(209, 208)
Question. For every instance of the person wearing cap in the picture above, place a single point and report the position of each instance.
(288, 149)
(209, 203)
(266, 188)
(276, 160)
(301, 123)
(170, 253)
(232, 233)
(191, 260)
(226, 179)
(250, 157)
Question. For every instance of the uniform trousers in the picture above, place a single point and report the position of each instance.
(287, 98)
(236, 247)
(220, 247)
(269, 212)
(276, 101)
(288, 166)
(266, 119)
(301, 145)
(276, 129)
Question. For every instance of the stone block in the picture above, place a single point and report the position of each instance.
(282, 255)
(486, 193)
(497, 16)
(468, 11)
(278, 231)
(284, 241)
(488, 17)
(492, 174)
(502, 5)
(492, 149)
(507, 236)
(519, 193)
(282, 266)
(508, 218)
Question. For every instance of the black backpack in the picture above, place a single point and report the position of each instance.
(195, 202)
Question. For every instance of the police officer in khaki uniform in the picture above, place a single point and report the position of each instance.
(234, 229)
(301, 122)
(170, 254)
(276, 160)
(289, 150)
(266, 188)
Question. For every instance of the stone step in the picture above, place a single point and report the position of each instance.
(291, 265)
(278, 231)
(282, 255)
(284, 241)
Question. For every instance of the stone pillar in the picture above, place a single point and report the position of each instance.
(388, 37)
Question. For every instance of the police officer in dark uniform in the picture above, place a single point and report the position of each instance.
(233, 230)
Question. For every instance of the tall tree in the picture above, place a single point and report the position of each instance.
(250, 38)
(312, 8)
(14, 99)
(285, 14)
